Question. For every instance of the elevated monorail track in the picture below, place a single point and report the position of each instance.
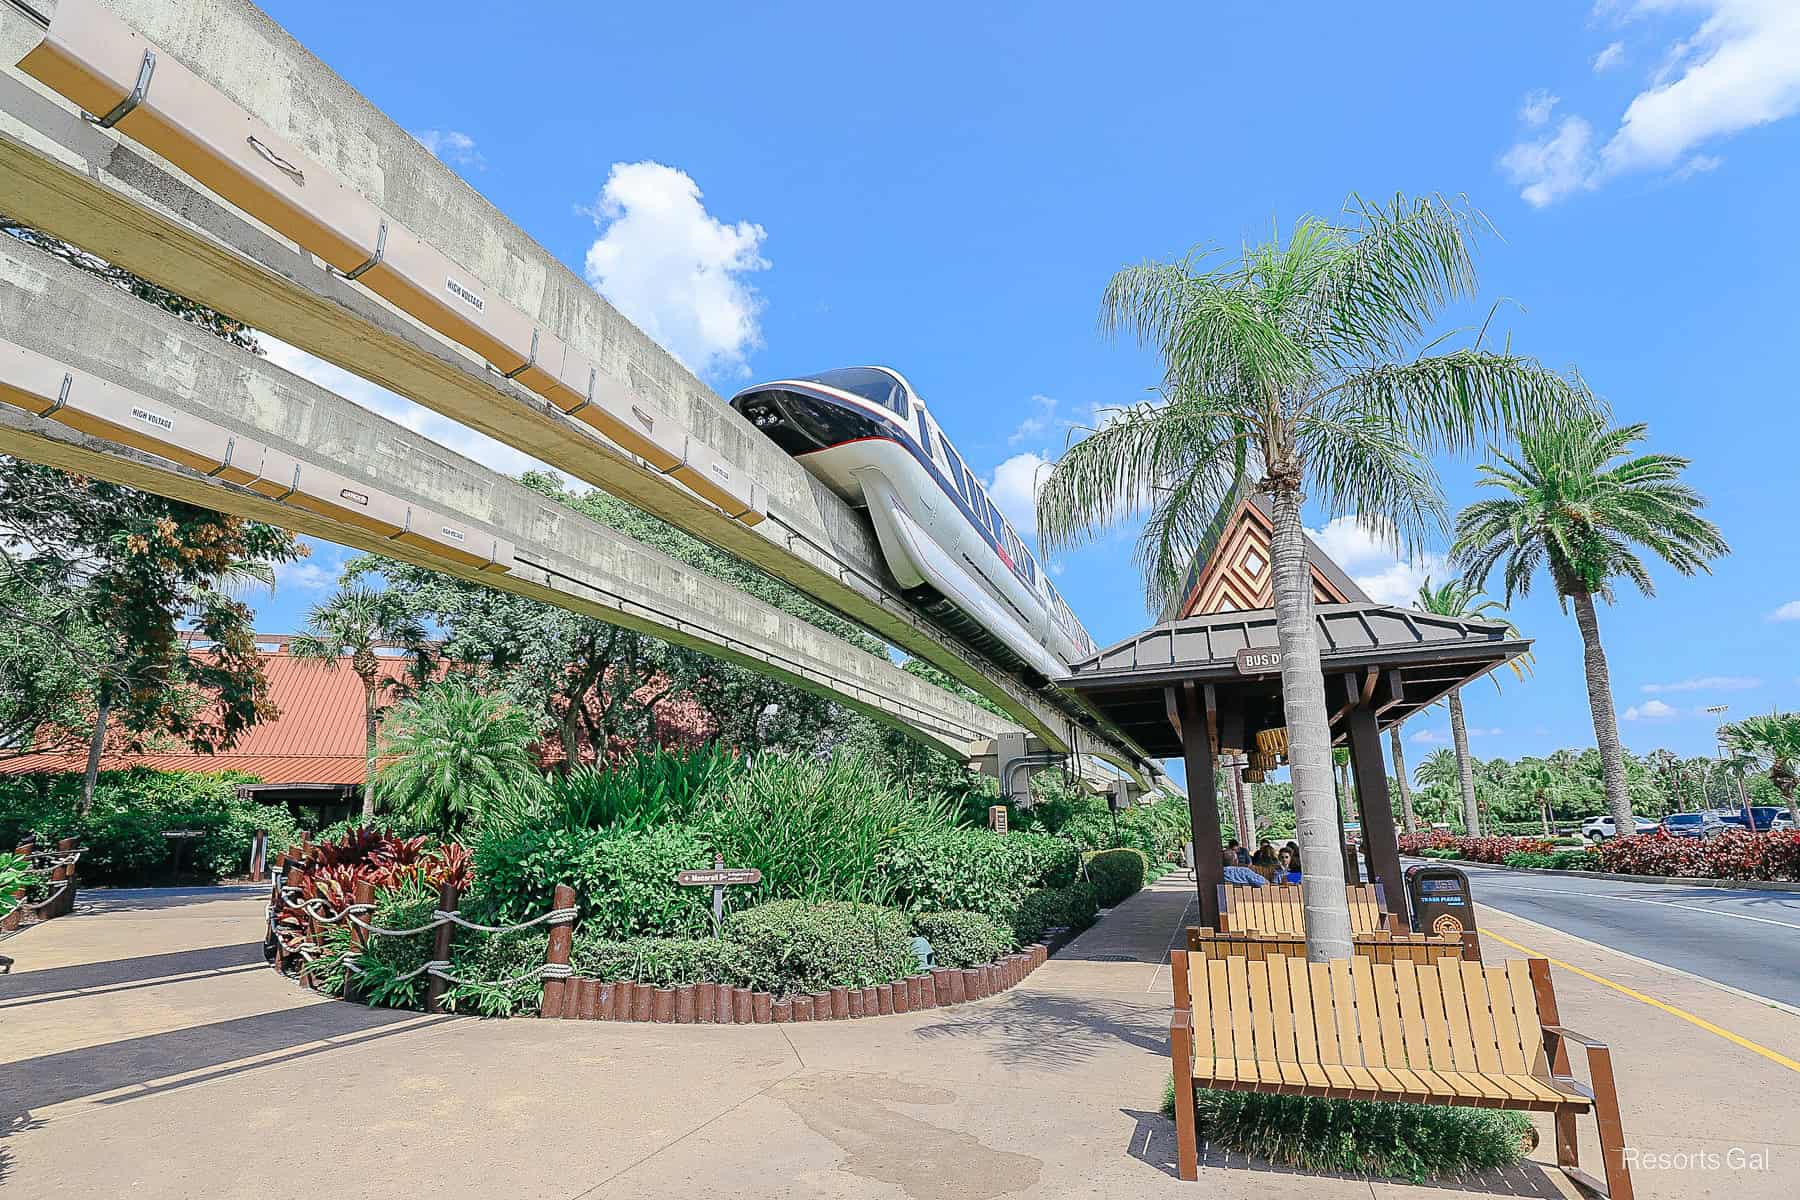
(209, 182)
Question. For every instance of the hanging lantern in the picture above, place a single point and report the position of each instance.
(1273, 742)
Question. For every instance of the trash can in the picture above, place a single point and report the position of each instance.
(1442, 905)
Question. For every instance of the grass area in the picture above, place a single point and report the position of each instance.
(1415, 1142)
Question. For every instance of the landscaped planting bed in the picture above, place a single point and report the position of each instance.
(568, 903)
(1732, 854)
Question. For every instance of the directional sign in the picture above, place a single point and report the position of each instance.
(719, 877)
(1259, 660)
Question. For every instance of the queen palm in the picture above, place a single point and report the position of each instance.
(1298, 365)
(1580, 505)
(1407, 815)
(1455, 599)
(1439, 774)
(353, 624)
(1773, 741)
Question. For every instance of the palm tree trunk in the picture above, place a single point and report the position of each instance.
(1606, 721)
(1309, 736)
(97, 743)
(1465, 772)
(368, 797)
(1406, 808)
(1242, 817)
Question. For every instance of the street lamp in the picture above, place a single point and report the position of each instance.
(1718, 710)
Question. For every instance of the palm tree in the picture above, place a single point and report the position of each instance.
(1773, 740)
(1455, 599)
(1579, 506)
(1540, 782)
(454, 751)
(1296, 365)
(353, 624)
(1441, 772)
(1406, 800)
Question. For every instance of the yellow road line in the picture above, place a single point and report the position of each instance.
(1773, 1056)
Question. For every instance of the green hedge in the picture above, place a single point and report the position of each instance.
(663, 962)
(962, 939)
(624, 881)
(1558, 860)
(974, 870)
(123, 830)
(1117, 875)
(1074, 906)
(791, 946)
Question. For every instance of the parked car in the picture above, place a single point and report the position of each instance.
(1694, 824)
(1598, 829)
(1764, 817)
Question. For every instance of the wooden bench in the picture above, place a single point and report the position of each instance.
(1452, 1032)
(1278, 909)
(1381, 946)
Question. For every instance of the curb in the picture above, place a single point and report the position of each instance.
(1730, 885)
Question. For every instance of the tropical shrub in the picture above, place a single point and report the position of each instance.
(973, 869)
(792, 946)
(650, 788)
(16, 880)
(1556, 860)
(962, 939)
(1073, 907)
(491, 964)
(453, 750)
(1116, 874)
(1476, 849)
(662, 962)
(385, 961)
(817, 829)
(1362, 1137)
(1733, 854)
(123, 829)
(624, 880)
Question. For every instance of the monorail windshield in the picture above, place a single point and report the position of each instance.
(875, 386)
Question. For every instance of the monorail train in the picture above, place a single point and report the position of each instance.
(865, 433)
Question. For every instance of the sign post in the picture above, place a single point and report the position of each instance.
(718, 878)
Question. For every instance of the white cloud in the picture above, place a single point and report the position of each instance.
(440, 429)
(452, 146)
(1706, 683)
(676, 270)
(1536, 107)
(1478, 732)
(1014, 489)
(1787, 612)
(1038, 423)
(1365, 550)
(1430, 737)
(1650, 710)
(1609, 58)
(1551, 167)
(1700, 164)
(1738, 70)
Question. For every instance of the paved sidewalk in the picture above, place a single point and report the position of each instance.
(145, 1052)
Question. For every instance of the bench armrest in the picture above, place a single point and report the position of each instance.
(1563, 1031)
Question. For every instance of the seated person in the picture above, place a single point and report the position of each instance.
(1239, 874)
(1264, 863)
(1290, 864)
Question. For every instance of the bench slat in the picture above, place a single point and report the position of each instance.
(1482, 1022)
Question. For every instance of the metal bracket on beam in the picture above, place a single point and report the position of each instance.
(380, 253)
(124, 108)
(62, 396)
(230, 449)
(528, 364)
(593, 375)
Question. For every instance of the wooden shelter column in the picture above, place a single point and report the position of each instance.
(1203, 800)
(1380, 839)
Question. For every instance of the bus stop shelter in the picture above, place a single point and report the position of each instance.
(1206, 685)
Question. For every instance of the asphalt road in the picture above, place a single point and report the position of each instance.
(1747, 940)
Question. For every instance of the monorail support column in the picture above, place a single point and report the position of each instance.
(1203, 799)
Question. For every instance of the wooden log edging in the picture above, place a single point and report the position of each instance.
(722, 1004)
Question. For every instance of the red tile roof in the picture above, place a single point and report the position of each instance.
(316, 738)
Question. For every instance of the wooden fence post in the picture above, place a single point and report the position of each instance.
(64, 873)
(562, 943)
(362, 892)
(440, 949)
(259, 854)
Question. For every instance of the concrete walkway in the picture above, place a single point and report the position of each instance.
(145, 1051)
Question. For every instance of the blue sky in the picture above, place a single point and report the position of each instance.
(782, 188)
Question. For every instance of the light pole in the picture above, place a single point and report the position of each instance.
(1718, 710)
